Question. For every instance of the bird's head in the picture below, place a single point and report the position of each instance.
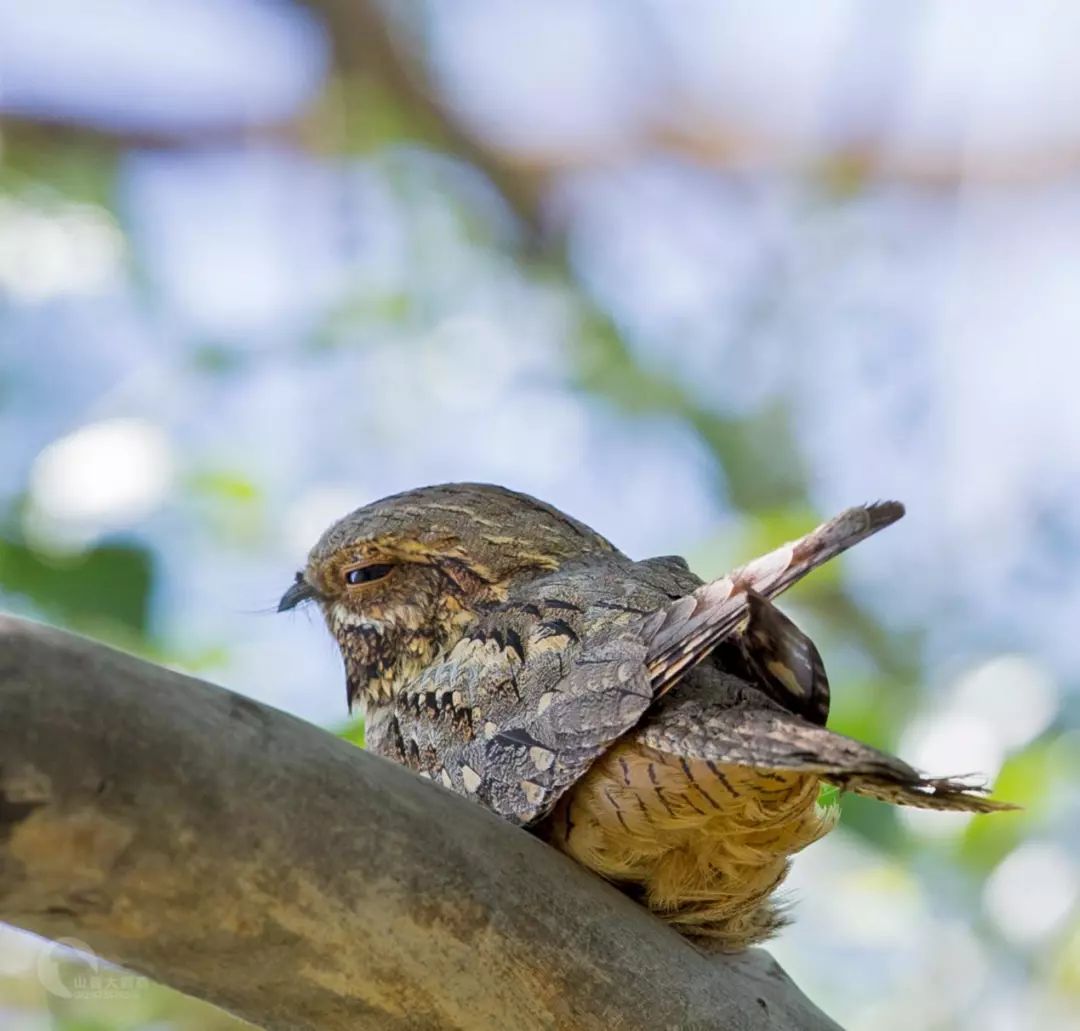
(400, 580)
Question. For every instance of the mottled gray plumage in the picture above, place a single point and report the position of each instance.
(559, 666)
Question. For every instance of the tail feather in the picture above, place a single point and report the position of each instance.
(942, 793)
(767, 739)
(684, 633)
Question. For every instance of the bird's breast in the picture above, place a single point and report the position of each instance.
(703, 843)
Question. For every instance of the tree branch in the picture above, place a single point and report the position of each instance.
(255, 861)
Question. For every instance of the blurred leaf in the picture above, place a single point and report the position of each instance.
(762, 465)
(772, 527)
(109, 584)
(1025, 779)
(79, 167)
(359, 113)
(871, 710)
(874, 821)
(152, 1008)
(362, 310)
(197, 662)
(82, 1023)
(605, 367)
(353, 731)
(828, 796)
(1066, 972)
(224, 486)
(217, 359)
(233, 504)
(842, 177)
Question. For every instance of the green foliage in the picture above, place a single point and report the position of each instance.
(42, 161)
(1026, 779)
(828, 796)
(231, 503)
(383, 119)
(217, 360)
(352, 731)
(224, 486)
(1065, 971)
(103, 591)
(873, 822)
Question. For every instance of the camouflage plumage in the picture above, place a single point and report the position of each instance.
(667, 733)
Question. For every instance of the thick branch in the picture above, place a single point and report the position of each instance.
(253, 860)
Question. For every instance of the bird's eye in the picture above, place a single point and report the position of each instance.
(365, 574)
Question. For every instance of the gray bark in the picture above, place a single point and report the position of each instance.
(253, 860)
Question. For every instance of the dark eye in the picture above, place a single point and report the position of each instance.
(365, 574)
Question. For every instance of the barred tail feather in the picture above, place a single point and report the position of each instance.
(764, 739)
(941, 793)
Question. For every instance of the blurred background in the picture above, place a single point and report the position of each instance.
(698, 272)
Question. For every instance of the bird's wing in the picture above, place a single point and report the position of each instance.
(540, 687)
(772, 740)
(782, 661)
(686, 631)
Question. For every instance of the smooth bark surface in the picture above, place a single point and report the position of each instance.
(248, 858)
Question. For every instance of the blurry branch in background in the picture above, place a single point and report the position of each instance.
(370, 42)
(252, 860)
(365, 44)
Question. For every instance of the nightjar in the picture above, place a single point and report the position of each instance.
(666, 733)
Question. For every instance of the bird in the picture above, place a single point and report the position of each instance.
(667, 733)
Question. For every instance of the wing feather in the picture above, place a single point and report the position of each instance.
(782, 661)
(535, 716)
(685, 632)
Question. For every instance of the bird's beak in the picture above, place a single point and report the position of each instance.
(300, 591)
